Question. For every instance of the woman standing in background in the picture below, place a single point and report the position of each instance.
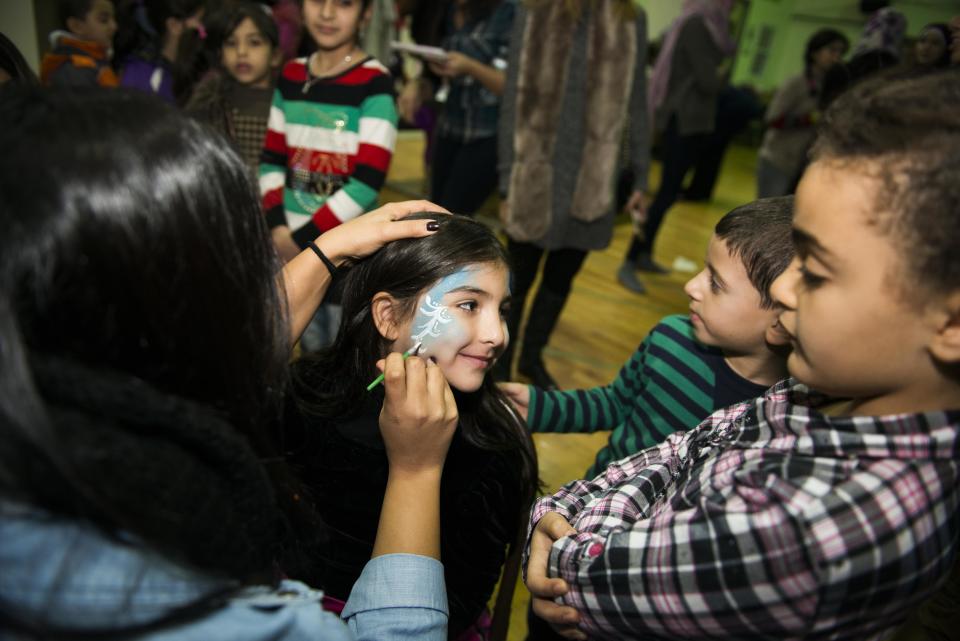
(575, 70)
(689, 73)
(792, 115)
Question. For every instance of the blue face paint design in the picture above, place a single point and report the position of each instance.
(433, 326)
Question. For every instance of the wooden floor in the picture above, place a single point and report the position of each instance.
(602, 323)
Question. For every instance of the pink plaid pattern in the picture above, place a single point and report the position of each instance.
(769, 520)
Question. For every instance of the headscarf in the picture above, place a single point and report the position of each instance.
(716, 16)
(884, 31)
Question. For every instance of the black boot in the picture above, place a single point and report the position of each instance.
(645, 263)
(543, 318)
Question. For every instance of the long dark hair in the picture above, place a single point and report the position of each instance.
(223, 23)
(136, 255)
(13, 62)
(332, 383)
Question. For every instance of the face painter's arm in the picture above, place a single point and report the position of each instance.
(306, 278)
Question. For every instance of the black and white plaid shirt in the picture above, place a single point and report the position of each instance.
(769, 520)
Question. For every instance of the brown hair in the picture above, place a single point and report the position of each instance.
(758, 234)
(905, 132)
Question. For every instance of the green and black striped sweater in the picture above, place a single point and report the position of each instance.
(672, 382)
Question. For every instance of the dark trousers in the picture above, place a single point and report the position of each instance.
(680, 153)
(559, 270)
(463, 174)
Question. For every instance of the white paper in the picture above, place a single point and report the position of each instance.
(432, 54)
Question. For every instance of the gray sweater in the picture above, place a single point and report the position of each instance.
(694, 81)
(564, 230)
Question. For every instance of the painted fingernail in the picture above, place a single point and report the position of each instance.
(433, 225)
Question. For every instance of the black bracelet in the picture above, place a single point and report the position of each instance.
(326, 261)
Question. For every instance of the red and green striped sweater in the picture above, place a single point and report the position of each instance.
(328, 146)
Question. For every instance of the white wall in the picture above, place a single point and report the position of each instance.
(18, 23)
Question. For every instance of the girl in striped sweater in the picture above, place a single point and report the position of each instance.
(330, 136)
(331, 131)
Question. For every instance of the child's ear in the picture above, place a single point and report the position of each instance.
(776, 335)
(386, 312)
(945, 345)
(174, 27)
(76, 26)
(276, 58)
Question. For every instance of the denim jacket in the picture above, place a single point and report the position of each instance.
(58, 573)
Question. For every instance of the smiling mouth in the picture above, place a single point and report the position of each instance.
(481, 361)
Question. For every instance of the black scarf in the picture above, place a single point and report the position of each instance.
(170, 471)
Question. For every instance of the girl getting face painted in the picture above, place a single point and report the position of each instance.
(459, 322)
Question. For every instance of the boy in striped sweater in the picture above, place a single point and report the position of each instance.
(331, 131)
(728, 349)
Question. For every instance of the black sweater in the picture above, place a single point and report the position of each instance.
(343, 466)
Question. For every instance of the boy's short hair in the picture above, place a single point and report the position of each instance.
(73, 9)
(905, 131)
(758, 233)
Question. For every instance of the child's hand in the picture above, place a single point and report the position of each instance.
(457, 64)
(287, 248)
(519, 395)
(562, 618)
(367, 233)
(410, 100)
(637, 208)
(419, 415)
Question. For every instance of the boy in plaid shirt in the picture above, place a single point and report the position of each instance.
(803, 514)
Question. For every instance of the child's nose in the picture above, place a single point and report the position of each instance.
(691, 288)
(783, 288)
(493, 330)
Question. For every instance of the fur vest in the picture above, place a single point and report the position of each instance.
(544, 60)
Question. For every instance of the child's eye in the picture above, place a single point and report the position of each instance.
(468, 306)
(504, 311)
(810, 279)
(714, 284)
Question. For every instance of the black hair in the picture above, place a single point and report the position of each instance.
(138, 252)
(224, 23)
(944, 29)
(822, 38)
(758, 233)
(870, 6)
(73, 9)
(905, 131)
(141, 27)
(428, 18)
(13, 62)
(332, 383)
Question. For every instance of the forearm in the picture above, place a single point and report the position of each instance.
(306, 280)
(573, 411)
(410, 517)
(493, 80)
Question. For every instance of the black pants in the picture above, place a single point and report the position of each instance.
(680, 153)
(464, 174)
(559, 269)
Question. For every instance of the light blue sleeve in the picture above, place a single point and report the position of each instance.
(399, 596)
(291, 612)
